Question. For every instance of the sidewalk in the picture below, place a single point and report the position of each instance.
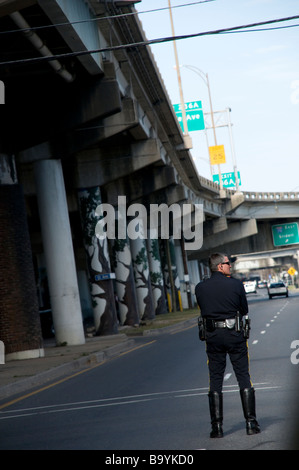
(18, 376)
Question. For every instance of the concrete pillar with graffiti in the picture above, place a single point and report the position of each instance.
(171, 279)
(156, 275)
(175, 275)
(125, 283)
(142, 274)
(98, 261)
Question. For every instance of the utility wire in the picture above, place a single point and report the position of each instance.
(263, 29)
(149, 42)
(103, 18)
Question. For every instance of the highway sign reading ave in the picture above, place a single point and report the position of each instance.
(194, 115)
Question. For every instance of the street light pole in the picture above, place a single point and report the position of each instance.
(205, 78)
(184, 116)
(228, 110)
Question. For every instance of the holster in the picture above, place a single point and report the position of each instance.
(238, 324)
(246, 327)
(202, 329)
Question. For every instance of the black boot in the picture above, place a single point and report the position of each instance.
(248, 404)
(216, 412)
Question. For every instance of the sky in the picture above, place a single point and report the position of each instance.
(254, 74)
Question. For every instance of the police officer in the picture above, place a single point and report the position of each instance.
(223, 304)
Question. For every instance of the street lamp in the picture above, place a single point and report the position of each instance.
(184, 116)
(228, 110)
(205, 78)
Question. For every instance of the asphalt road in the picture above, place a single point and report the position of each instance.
(155, 397)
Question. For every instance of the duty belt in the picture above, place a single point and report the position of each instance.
(236, 323)
(228, 323)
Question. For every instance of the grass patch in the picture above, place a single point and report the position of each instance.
(161, 321)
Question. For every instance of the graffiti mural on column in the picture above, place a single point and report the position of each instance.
(142, 279)
(102, 291)
(156, 276)
(166, 280)
(175, 275)
(125, 284)
(172, 283)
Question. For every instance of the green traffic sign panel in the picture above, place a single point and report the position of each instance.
(194, 115)
(285, 234)
(228, 179)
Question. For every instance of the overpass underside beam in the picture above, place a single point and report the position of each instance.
(126, 119)
(141, 185)
(244, 266)
(101, 166)
(235, 231)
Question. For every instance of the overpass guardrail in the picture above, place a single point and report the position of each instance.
(271, 196)
(268, 196)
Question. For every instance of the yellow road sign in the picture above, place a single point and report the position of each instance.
(292, 271)
(217, 154)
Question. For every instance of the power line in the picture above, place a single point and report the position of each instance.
(263, 29)
(151, 41)
(103, 18)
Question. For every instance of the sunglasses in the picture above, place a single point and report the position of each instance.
(227, 262)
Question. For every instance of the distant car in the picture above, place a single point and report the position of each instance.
(277, 288)
(249, 286)
(262, 284)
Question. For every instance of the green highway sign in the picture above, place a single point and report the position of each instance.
(228, 179)
(285, 234)
(194, 115)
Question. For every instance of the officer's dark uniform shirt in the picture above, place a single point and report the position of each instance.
(220, 297)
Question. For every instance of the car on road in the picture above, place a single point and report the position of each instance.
(262, 284)
(249, 286)
(277, 288)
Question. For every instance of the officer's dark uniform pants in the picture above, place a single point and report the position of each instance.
(219, 343)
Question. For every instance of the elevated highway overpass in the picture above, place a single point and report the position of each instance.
(80, 129)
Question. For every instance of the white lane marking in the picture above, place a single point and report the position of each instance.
(117, 401)
(263, 332)
(227, 376)
(255, 341)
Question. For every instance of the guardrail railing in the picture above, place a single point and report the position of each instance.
(268, 196)
(271, 196)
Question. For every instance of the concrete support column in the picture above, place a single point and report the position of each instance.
(59, 254)
(193, 269)
(98, 261)
(175, 276)
(125, 283)
(171, 278)
(183, 284)
(142, 278)
(156, 275)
